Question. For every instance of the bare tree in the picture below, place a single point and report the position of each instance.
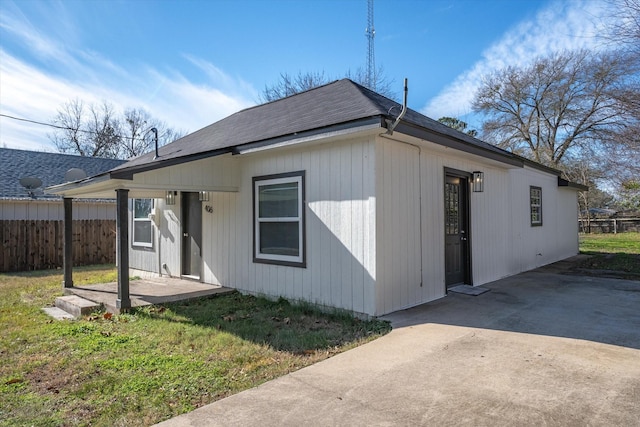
(70, 119)
(568, 103)
(625, 27)
(136, 139)
(588, 172)
(384, 85)
(289, 85)
(104, 131)
(134, 127)
(98, 131)
(91, 131)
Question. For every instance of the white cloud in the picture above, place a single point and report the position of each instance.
(559, 26)
(31, 91)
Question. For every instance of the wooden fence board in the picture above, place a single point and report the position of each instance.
(38, 244)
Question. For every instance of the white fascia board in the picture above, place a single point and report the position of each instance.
(371, 126)
(95, 187)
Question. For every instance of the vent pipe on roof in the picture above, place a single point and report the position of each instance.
(391, 127)
(155, 137)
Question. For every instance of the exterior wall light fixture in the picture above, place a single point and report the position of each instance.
(203, 196)
(478, 182)
(170, 197)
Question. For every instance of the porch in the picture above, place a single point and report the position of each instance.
(147, 291)
(161, 180)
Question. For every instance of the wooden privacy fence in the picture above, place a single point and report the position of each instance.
(39, 245)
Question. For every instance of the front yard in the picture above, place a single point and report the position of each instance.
(144, 367)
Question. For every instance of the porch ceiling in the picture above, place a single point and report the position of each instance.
(217, 173)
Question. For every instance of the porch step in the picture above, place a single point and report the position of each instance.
(57, 313)
(76, 306)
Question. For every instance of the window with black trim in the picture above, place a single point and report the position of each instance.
(278, 230)
(535, 203)
(142, 223)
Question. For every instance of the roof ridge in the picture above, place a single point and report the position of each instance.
(284, 98)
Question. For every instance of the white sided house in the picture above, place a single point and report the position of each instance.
(335, 196)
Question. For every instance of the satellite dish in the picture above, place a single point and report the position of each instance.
(74, 174)
(30, 183)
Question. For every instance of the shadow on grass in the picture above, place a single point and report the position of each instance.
(617, 265)
(299, 328)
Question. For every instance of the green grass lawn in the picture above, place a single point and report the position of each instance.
(151, 364)
(616, 252)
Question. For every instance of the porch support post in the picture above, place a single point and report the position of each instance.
(67, 260)
(122, 248)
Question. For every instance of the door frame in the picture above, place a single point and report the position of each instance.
(467, 265)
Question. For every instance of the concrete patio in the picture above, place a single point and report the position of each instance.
(147, 291)
(540, 348)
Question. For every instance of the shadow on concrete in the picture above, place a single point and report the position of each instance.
(544, 302)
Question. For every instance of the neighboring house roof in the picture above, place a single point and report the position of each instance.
(340, 103)
(50, 168)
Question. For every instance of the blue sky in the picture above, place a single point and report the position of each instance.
(191, 63)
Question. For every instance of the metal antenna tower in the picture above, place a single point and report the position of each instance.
(370, 33)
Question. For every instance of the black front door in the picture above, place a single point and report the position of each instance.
(191, 235)
(456, 230)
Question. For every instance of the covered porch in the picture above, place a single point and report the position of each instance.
(158, 182)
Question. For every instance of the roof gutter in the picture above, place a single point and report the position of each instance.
(391, 127)
(565, 183)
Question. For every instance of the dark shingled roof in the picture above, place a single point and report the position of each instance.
(337, 103)
(48, 167)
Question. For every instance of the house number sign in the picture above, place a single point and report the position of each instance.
(209, 208)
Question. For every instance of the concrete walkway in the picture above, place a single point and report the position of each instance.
(540, 348)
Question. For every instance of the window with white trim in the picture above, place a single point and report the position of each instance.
(535, 203)
(142, 223)
(278, 230)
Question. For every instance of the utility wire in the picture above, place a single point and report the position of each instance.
(75, 130)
